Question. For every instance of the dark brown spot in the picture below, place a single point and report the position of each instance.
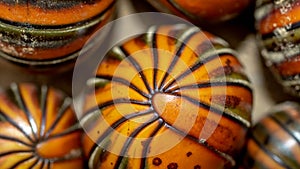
(139, 41)
(228, 62)
(292, 34)
(221, 71)
(172, 166)
(227, 101)
(156, 161)
(189, 154)
(197, 167)
(171, 41)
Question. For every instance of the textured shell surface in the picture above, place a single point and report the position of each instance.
(278, 27)
(174, 91)
(202, 11)
(49, 32)
(38, 129)
(274, 140)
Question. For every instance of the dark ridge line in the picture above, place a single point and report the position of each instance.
(115, 125)
(62, 111)
(111, 103)
(138, 68)
(35, 163)
(22, 161)
(210, 84)
(16, 151)
(196, 66)
(125, 82)
(43, 101)
(64, 133)
(146, 147)
(273, 118)
(27, 25)
(155, 58)
(180, 49)
(130, 139)
(46, 5)
(15, 140)
(22, 105)
(13, 123)
(266, 36)
(273, 156)
(213, 110)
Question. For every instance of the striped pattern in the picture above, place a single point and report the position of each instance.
(275, 140)
(202, 11)
(49, 36)
(173, 92)
(38, 129)
(278, 26)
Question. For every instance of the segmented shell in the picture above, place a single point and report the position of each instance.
(202, 10)
(278, 25)
(49, 32)
(275, 140)
(173, 97)
(38, 129)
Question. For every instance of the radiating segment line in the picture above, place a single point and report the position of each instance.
(34, 163)
(13, 123)
(111, 103)
(20, 100)
(43, 101)
(16, 140)
(16, 151)
(138, 68)
(210, 108)
(185, 38)
(147, 143)
(155, 56)
(125, 82)
(22, 161)
(68, 131)
(273, 156)
(282, 126)
(130, 139)
(123, 100)
(116, 125)
(196, 66)
(209, 84)
(43, 164)
(63, 109)
(48, 163)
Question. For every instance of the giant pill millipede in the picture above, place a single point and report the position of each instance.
(49, 32)
(278, 26)
(275, 140)
(38, 129)
(174, 97)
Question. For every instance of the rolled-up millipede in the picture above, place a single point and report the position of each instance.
(41, 33)
(174, 97)
(38, 129)
(275, 140)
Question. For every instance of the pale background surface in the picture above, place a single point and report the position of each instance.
(238, 32)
